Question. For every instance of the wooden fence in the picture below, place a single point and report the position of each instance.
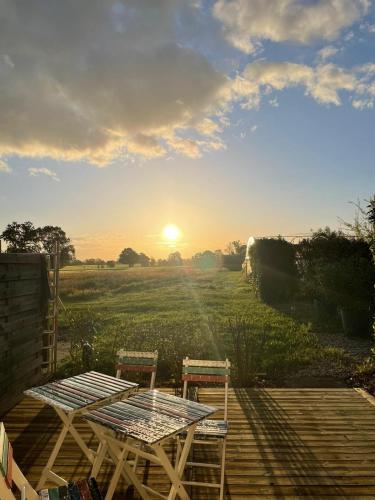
(24, 294)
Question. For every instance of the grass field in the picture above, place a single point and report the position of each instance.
(182, 311)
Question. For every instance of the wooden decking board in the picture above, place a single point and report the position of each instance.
(282, 443)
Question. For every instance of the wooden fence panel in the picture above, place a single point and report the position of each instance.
(24, 297)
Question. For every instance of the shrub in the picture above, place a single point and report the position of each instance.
(339, 272)
(82, 328)
(233, 262)
(274, 271)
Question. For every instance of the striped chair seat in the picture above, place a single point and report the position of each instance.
(210, 428)
(213, 428)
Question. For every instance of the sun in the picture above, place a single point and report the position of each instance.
(171, 232)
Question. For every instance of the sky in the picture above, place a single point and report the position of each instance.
(227, 118)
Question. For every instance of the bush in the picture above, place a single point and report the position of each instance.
(339, 273)
(274, 270)
(233, 262)
(82, 329)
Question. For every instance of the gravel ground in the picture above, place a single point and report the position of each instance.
(357, 347)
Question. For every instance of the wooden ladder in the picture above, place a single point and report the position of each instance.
(51, 330)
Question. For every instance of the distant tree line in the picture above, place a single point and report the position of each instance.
(26, 238)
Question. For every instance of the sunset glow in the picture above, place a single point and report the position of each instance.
(171, 232)
(185, 124)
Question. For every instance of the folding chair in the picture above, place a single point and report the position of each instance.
(208, 432)
(135, 361)
(10, 474)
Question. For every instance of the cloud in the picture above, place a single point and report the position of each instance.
(323, 82)
(327, 52)
(363, 103)
(36, 172)
(4, 167)
(248, 22)
(95, 80)
(98, 81)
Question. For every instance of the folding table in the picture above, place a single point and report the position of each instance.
(142, 425)
(72, 397)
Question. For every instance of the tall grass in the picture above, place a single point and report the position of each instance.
(181, 312)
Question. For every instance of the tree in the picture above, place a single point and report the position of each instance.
(21, 238)
(363, 225)
(144, 260)
(128, 256)
(175, 259)
(111, 263)
(205, 260)
(236, 248)
(49, 235)
(26, 238)
(371, 211)
(236, 252)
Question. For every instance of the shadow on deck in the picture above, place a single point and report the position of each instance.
(283, 443)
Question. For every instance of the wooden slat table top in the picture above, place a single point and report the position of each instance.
(81, 391)
(282, 444)
(150, 417)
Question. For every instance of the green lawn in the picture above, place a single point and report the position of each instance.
(182, 311)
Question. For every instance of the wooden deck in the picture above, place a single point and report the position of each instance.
(283, 443)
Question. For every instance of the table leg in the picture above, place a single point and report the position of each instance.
(103, 450)
(130, 473)
(101, 453)
(68, 421)
(116, 475)
(52, 457)
(177, 488)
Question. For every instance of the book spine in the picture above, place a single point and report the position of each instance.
(43, 494)
(94, 489)
(63, 493)
(53, 493)
(84, 489)
(8, 477)
(74, 492)
(2, 440)
(4, 458)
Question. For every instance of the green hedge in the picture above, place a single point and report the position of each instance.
(274, 270)
(339, 274)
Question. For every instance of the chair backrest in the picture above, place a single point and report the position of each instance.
(137, 361)
(10, 472)
(200, 370)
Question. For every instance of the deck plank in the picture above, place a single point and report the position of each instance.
(282, 443)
